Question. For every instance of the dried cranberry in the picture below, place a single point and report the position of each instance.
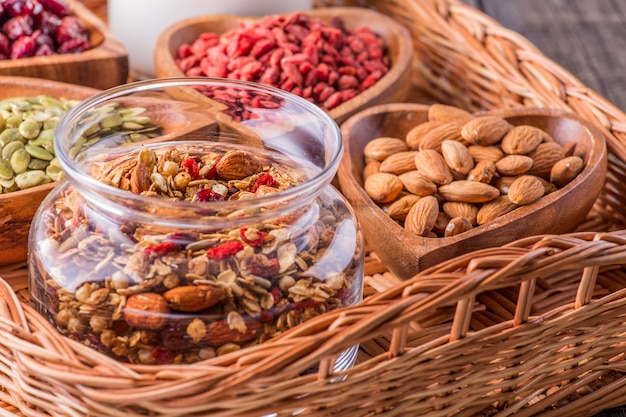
(163, 355)
(70, 28)
(260, 237)
(18, 26)
(44, 50)
(23, 47)
(224, 250)
(4, 45)
(22, 7)
(160, 249)
(212, 174)
(42, 39)
(73, 46)
(191, 166)
(58, 7)
(207, 195)
(265, 179)
(47, 22)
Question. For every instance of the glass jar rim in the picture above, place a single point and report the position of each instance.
(98, 190)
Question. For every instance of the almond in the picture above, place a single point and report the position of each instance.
(399, 209)
(522, 140)
(220, 333)
(456, 226)
(525, 190)
(512, 165)
(485, 130)
(441, 223)
(379, 149)
(544, 157)
(191, 298)
(494, 209)
(434, 137)
(415, 135)
(146, 311)
(383, 187)
(415, 183)
(457, 156)
(483, 171)
(236, 165)
(448, 113)
(468, 192)
(371, 167)
(140, 178)
(431, 164)
(489, 153)
(399, 162)
(456, 209)
(422, 216)
(566, 170)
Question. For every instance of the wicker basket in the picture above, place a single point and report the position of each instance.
(532, 328)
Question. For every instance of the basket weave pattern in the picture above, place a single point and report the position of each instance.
(532, 328)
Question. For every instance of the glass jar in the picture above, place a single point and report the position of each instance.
(197, 218)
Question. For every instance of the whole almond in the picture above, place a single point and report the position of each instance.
(457, 156)
(441, 223)
(468, 192)
(371, 167)
(380, 148)
(415, 135)
(522, 140)
(503, 184)
(382, 187)
(146, 311)
(191, 298)
(483, 171)
(489, 153)
(220, 332)
(398, 163)
(525, 190)
(457, 226)
(140, 178)
(235, 165)
(399, 209)
(566, 170)
(415, 183)
(422, 216)
(448, 113)
(512, 165)
(485, 130)
(434, 137)
(454, 209)
(544, 157)
(494, 209)
(431, 164)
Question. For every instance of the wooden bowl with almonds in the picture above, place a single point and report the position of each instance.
(429, 183)
(391, 87)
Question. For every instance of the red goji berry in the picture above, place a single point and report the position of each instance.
(212, 174)
(224, 250)
(248, 237)
(191, 166)
(160, 249)
(207, 194)
(265, 179)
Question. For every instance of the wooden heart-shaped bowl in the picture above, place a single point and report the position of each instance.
(392, 87)
(103, 66)
(406, 253)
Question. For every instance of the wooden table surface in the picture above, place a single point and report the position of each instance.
(585, 37)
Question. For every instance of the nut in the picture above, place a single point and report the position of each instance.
(399, 209)
(191, 298)
(435, 137)
(485, 130)
(456, 209)
(494, 209)
(220, 332)
(483, 171)
(415, 183)
(235, 165)
(456, 226)
(448, 113)
(489, 153)
(415, 135)
(544, 157)
(422, 216)
(457, 156)
(398, 163)
(522, 140)
(566, 170)
(383, 187)
(512, 165)
(380, 148)
(468, 192)
(140, 178)
(146, 311)
(431, 164)
(525, 190)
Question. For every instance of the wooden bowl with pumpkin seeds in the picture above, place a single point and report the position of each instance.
(429, 183)
(29, 111)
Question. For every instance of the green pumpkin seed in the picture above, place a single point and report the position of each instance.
(30, 129)
(30, 179)
(8, 184)
(55, 173)
(19, 161)
(48, 101)
(111, 120)
(45, 136)
(9, 135)
(38, 163)
(13, 121)
(10, 148)
(39, 152)
(6, 172)
(51, 123)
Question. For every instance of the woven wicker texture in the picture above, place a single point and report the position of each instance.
(533, 328)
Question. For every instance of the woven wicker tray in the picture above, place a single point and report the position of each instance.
(533, 328)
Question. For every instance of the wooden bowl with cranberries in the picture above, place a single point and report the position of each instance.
(59, 40)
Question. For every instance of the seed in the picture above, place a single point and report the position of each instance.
(19, 161)
(39, 153)
(6, 172)
(30, 179)
(29, 128)
(10, 148)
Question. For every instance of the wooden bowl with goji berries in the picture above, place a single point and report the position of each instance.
(59, 40)
(429, 183)
(342, 59)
